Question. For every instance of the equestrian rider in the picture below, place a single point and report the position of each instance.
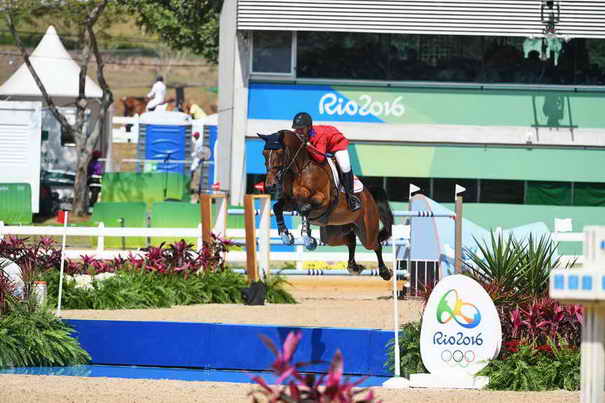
(157, 94)
(327, 139)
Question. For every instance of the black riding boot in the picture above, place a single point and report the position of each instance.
(352, 200)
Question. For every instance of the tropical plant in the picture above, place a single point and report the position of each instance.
(276, 290)
(535, 367)
(37, 339)
(7, 287)
(409, 347)
(514, 266)
(294, 386)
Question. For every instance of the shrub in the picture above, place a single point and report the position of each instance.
(409, 348)
(36, 338)
(535, 367)
(306, 387)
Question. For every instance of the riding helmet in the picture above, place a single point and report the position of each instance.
(302, 119)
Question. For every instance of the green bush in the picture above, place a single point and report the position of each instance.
(134, 289)
(528, 367)
(37, 338)
(409, 348)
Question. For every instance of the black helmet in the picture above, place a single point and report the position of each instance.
(302, 119)
(159, 78)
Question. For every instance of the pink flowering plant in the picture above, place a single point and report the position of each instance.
(293, 386)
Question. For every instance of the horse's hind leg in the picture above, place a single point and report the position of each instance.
(336, 235)
(383, 270)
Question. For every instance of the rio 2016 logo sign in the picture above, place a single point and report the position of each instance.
(459, 311)
(332, 104)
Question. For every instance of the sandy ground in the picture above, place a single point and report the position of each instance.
(330, 301)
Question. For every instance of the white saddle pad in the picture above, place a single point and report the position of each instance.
(357, 185)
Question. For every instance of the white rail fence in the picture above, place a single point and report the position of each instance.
(299, 255)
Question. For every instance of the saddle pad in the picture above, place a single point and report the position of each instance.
(357, 185)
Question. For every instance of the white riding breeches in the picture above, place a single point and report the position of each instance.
(342, 157)
(156, 103)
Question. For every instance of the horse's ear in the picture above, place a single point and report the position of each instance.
(262, 136)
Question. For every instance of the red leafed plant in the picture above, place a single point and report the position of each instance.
(545, 319)
(300, 387)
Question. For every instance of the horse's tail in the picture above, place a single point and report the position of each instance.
(385, 212)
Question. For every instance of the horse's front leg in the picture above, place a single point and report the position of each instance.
(278, 209)
(310, 242)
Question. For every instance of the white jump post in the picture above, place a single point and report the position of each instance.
(586, 286)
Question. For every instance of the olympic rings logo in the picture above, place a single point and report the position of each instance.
(445, 312)
(458, 358)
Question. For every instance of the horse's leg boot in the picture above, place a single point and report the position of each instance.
(352, 200)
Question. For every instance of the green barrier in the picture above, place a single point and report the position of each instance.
(145, 187)
(121, 214)
(15, 203)
(174, 215)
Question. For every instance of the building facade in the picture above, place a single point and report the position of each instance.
(505, 98)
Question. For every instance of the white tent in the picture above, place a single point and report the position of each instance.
(55, 153)
(55, 67)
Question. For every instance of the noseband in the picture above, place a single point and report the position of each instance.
(282, 169)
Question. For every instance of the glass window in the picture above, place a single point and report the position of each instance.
(501, 191)
(548, 193)
(399, 188)
(341, 55)
(443, 190)
(451, 58)
(372, 181)
(589, 194)
(272, 52)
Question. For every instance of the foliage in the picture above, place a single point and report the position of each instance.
(36, 338)
(306, 387)
(520, 267)
(6, 288)
(545, 319)
(181, 24)
(535, 367)
(409, 347)
(276, 290)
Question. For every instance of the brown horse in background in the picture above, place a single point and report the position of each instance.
(137, 105)
(301, 184)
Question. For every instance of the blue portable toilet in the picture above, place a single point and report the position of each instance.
(164, 137)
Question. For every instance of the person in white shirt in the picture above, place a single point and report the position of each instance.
(198, 155)
(157, 94)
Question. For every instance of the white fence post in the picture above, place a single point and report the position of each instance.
(264, 247)
(101, 238)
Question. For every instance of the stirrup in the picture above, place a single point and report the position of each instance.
(353, 202)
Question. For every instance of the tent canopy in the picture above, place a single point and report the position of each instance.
(55, 67)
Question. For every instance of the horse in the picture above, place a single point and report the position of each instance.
(138, 105)
(301, 184)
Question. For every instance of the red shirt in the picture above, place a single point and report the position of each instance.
(325, 139)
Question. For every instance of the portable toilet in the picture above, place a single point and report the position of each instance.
(164, 137)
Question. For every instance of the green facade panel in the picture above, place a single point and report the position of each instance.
(516, 163)
(15, 203)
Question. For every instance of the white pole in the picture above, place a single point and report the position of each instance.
(397, 353)
(65, 220)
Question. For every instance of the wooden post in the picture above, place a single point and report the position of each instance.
(250, 218)
(458, 230)
(220, 227)
(257, 266)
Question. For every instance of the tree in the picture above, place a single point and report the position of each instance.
(181, 24)
(84, 14)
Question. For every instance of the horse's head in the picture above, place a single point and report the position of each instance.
(275, 162)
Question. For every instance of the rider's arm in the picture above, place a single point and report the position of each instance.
(318, 149)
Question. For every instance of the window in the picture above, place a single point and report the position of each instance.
(272, 52)
(443, 190)
(450, 58)
(501, 191)
(342, 55)
(548, 193)
(67, 139)
(398, 188)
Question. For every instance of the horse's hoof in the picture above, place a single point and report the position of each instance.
(355, 269)
(287, 238)
(385, 273)
(310, 243)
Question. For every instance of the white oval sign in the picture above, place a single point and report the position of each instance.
(461, 328)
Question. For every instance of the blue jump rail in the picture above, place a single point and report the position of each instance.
(396, 213)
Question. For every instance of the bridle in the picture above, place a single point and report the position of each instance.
(282, 169)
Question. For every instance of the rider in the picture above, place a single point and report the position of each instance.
(157, 94)
(327, 139)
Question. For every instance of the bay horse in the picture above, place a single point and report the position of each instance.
(301, 184)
